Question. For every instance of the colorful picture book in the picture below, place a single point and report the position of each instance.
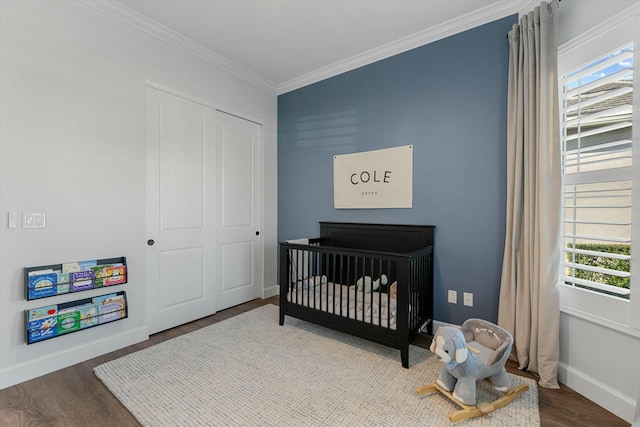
(42, 323)
(42, 284)
(110, 307)
(59, 319)
(113, 274)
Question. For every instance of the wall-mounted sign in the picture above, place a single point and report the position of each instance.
(374, 179)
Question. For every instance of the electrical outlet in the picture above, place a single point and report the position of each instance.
(453, 297)
(468, 299)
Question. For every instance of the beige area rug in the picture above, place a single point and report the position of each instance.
(250, 371)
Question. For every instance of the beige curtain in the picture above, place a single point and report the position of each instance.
(529, 301)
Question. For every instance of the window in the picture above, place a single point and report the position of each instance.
(600, 122)
(597, 162)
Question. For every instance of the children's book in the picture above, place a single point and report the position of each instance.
(68, 320)
(42, 285)
(88, 315)
(42, 328)
(74, 267)
(42, 312)
(64, 283)
(110, 307)
(109, 274)
(81, 280)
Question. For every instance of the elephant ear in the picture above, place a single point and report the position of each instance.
(432, 347)
(461, 348)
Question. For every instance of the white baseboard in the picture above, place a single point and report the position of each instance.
(612, 400)
(636, 417)
(270, 291)
(48, 363)
(437, 324)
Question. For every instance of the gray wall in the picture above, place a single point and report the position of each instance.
(448, 99)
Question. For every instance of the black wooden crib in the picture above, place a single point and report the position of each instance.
(374, 281)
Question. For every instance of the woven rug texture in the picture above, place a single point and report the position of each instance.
(250, 371)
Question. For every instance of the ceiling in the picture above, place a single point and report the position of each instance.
(290, 43)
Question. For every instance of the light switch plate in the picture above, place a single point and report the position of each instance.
(12, 219)
(33, 220)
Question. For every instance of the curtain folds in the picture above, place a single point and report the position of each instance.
(529, 296)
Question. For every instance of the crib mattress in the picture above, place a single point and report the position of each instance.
(376, 307)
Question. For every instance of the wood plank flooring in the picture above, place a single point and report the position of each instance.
(75, 397)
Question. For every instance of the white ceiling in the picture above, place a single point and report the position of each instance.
(286, 44)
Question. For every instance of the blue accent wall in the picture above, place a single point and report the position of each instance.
(449, 100)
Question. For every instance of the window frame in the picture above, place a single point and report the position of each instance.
(620, 314)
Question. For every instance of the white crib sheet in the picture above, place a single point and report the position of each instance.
(345, 301)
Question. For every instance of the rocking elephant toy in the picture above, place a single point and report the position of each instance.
(476, 351)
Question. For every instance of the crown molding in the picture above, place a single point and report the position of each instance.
(488, 14)
(446, 29)
(621, 17)
(137, 20)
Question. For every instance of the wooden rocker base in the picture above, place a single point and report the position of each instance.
(472, 411)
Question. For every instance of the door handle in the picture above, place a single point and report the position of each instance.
(257, 233)
(150, 242)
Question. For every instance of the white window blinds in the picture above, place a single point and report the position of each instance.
(597, 117)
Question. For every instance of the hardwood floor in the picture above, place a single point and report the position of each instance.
(75, 397)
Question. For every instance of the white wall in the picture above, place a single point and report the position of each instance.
(597, 357)
(72, 144)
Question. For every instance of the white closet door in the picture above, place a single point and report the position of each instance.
(239, 232)
(182, 213)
